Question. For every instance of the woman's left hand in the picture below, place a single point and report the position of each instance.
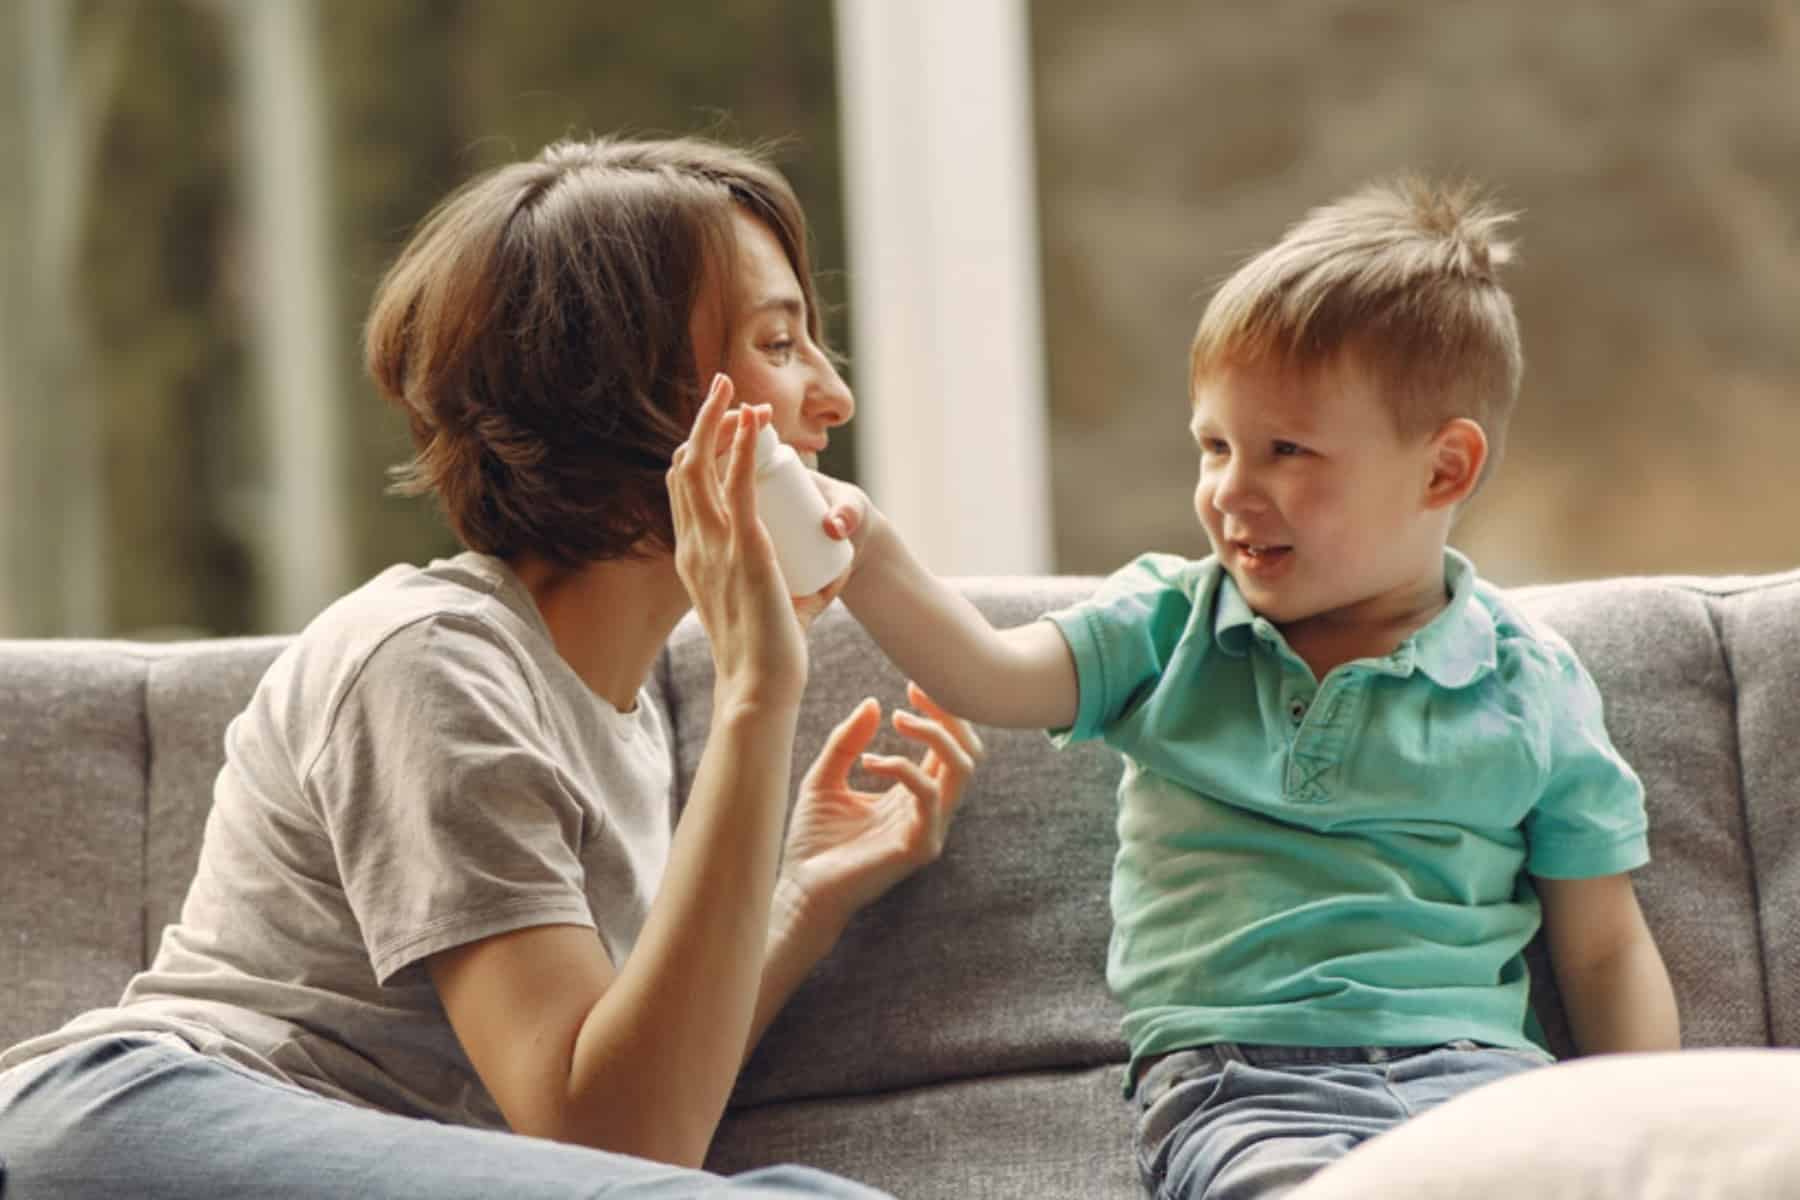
(845, 847)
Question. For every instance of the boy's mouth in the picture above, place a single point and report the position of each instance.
(1260, 558)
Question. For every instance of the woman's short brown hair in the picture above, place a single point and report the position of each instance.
(535, 331)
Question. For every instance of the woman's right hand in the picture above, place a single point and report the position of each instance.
(726, 560)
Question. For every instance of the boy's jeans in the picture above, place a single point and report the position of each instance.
(1232, 1122)
(147, 1117)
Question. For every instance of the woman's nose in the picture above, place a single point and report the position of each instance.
(828, 400)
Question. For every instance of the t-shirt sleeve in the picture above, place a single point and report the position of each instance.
(1590, 820)
(1121, 638)
(449, 816)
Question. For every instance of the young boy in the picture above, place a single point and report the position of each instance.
(1355, 775)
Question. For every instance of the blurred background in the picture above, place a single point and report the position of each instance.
(197, 198)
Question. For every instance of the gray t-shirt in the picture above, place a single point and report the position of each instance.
(418, 769)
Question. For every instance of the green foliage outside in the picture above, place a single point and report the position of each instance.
(421, 95)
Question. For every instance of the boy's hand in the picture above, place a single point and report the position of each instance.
(849, 515)
(845, 847)
(847, 518)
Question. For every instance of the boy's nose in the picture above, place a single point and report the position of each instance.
(1235, 491)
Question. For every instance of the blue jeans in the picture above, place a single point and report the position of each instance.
(147, 1117)
(1232, 1122)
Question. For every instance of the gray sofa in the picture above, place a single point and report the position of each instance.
(960, 1041)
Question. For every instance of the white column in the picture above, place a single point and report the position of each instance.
(943, 245)
(16, 571)
(301, 527)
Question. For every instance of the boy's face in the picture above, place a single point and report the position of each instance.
(1313, 500)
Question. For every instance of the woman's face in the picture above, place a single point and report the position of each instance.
(760, 323)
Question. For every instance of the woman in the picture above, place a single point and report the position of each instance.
(442, 893)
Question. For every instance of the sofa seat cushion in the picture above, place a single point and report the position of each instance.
(1047, 1135)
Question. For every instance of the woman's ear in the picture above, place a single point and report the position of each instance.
(1459, 450)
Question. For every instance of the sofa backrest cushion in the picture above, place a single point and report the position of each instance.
(72, 828)
(1669, 683)
(1759, 625)
(989, 960)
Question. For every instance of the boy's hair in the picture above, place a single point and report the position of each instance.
(535, 331)
(1399, 281)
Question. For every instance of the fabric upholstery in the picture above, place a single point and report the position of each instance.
(71, 830)
(987, 961)
(1025, 1136)
(1761, 625)
(960, 1040)
(1654, 650)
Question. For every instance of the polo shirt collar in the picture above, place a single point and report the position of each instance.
(1456, 648)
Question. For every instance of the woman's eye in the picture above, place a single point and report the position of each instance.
(780, 347)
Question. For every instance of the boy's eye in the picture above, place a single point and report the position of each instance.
(1212, 446)
(1287, 449)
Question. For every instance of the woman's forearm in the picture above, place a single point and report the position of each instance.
(677, 1018)
(799, 936)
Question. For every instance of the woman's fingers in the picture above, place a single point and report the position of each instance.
(931, 807)
(740, 468)
(963, 731)
(944, 748)
(691, 470)
(712, 411)
(712, 475)
(844, 745)
(904, 771)
(678, 505)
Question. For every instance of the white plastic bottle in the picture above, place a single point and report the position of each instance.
(793, 511)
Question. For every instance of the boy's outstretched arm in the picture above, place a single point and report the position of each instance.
(1019, 678)
(1614, 986)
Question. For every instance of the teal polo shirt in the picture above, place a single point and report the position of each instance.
(1344, 861)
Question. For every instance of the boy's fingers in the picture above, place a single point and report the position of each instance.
(842, 520)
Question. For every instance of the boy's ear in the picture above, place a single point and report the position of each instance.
(1458, 450)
